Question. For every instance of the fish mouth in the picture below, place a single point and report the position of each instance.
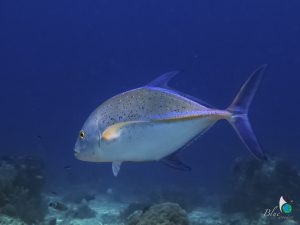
(76, 152)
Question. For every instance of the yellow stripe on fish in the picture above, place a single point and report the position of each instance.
(213, 114)
(114, 131)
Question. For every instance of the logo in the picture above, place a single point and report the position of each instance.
(285, 207)
(282, 211)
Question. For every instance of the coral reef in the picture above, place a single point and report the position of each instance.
(188, 198)
(21, 183)
(257, 186)
(160, 214)
(132, 207)
(6, 220)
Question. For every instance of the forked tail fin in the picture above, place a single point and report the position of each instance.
(239, 109)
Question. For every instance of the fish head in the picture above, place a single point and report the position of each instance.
(87, 147)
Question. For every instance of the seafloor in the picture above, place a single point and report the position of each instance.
(108, 212)
(24, 200)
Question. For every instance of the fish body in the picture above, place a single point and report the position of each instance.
(153, 122)
(142, 104)
(152, 135)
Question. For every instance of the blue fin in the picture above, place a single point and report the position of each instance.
(239, 109)
(174, 162)
(116, 166)
(163, 80)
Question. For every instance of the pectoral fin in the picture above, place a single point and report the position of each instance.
(114, 131)
(116, 166)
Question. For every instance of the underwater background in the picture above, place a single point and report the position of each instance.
(59, 60)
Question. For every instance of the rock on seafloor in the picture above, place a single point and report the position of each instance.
(160, 214)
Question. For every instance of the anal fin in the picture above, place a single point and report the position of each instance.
(174, 162)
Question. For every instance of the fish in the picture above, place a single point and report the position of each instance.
(67, 167)
(39, 177)
(155, 122)
(58, 206)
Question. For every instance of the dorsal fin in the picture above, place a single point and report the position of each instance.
(163, 80)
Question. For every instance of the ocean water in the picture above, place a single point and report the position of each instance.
(59, 60)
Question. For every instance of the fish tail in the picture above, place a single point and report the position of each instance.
(239, 113)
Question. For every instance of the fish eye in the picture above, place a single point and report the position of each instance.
(81, 134)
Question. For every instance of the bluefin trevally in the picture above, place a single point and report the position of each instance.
(153, 122)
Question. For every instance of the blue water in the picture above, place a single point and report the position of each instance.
(60, 59)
